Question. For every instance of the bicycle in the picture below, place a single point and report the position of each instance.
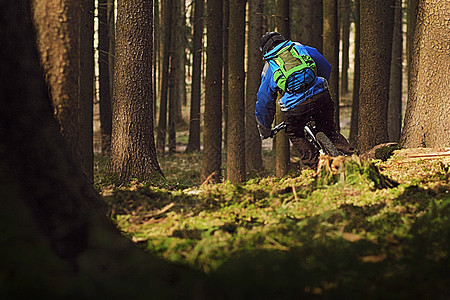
(319, 139)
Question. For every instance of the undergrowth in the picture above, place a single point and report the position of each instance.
(348, 230)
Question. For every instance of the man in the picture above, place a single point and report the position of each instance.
(300, 74)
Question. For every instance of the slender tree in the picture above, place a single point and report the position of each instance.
(86, 87)
(174, 77)
(105, 105)
(427, 122)
(162, 121)
(344, 24)
(212, 153)
(226, 27)
(253, 145)
(112, 44)
(282, 161)
(236, 103)
(133, 152)
(353, 137)
(194, 120)
(331, 51)
(395, 88)
(376, 47)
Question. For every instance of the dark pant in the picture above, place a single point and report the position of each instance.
(321, 108)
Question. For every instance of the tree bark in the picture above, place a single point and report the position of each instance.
(133, 152)
(56, 240)
(331, 51)
(105, 104)
(344, 20)
(353, 137)
(307, 23)
(427, 122)
(162, 121)
(174, 78)
(212, 153)
(395, 88)
(376, 49)
(86, 87)
(194, 120)
(253, 145)
(282, 151)
(236, 88)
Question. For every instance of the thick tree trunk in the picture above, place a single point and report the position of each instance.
(58, 26)
(194, 120)
(212, 153)
(377, 20)
(56, 241)
(253, 143)
(307, 23)
(133, 152)
(427, 122)
(236, 79)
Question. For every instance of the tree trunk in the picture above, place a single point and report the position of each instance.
(376, 49)
(226, 25)
(307, 21)
(156, 56)
(105, 104)
(344, 21)
(133, 152)
(236, 88)
(59, 36)
(162, 122)
(86, 88)
(331, 51)
(395, 88)
(194, 120)
(112, 45)
(427, 122)
(174, 78)
(411, 28)
(253, 145)
(353, 137)
(282, 156)
(56, 241)
(212, 153)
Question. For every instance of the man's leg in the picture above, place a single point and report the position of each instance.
(294, 129)
(325, 123)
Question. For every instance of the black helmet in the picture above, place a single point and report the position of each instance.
(270, 40)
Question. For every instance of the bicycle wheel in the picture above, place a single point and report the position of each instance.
(326, 144)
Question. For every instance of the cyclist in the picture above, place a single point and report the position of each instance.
(302, 82)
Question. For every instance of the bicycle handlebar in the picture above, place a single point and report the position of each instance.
(276, 129)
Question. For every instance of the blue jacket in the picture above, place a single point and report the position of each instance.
(267, 94)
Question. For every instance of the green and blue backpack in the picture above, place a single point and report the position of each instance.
(296, 70)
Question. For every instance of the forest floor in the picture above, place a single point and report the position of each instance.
(353, 229)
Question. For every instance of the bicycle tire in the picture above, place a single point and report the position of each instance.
(326, 144)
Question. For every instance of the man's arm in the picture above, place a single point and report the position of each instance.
(265, 104)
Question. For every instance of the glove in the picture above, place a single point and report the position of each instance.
(264, 132)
